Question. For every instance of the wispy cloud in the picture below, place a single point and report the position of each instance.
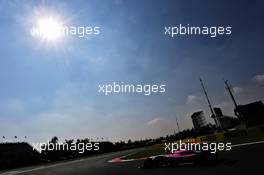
(155, 121)
(238, 90)
(259, 79)
(191, 99)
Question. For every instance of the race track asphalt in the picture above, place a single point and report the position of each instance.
(240, 160)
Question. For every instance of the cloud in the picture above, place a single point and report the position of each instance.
(238, 90)
(191, 99)
(155, 122)
(160, 127)
(259, 79)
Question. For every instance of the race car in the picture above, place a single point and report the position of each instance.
(181, 157)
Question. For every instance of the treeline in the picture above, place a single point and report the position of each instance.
(19, 154)
(64, 152)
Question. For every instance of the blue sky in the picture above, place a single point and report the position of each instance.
(51, 89)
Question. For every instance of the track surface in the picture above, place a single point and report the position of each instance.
(240, 160)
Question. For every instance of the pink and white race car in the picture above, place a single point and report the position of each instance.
(179, 158)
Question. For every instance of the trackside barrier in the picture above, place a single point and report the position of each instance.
(253, 132)
(234, 134)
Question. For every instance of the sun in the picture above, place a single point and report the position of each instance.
(47, 28)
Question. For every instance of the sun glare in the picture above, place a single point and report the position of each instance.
(47, 28)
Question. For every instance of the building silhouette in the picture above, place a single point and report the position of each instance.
(198, 120)
(251, 114)
(226, 122)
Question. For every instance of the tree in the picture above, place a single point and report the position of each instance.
(54, 140)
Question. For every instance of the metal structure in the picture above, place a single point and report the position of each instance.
(230, 93)
(237, 110)
(210, 106)
(178, 125)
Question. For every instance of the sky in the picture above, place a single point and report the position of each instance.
(51, 88)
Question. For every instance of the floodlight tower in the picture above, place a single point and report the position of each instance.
(210, 106)
(178, 125)
(230, 93)
(237, 111)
